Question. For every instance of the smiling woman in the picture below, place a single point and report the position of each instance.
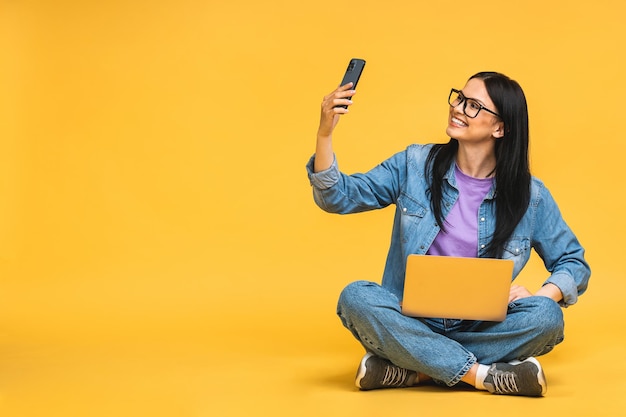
(475, 131)
(478, 187)
(157, 235)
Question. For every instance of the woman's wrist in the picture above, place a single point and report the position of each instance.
(551, 291)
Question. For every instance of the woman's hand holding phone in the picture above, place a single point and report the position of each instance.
(333, 106)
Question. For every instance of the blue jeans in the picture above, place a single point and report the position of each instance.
(446, 349)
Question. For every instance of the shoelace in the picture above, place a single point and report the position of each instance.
(505, 382)
(394, 375)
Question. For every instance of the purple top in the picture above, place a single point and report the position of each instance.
(461, 236)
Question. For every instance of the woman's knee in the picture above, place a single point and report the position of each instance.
(356, 290)
(546, 315)
(363, 296)
(354, 295)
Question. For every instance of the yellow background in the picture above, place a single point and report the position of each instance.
(160, 252)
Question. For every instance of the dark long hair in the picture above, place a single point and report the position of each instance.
(512, 174)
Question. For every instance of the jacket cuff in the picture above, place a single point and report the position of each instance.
(323, 179)
(568, 288)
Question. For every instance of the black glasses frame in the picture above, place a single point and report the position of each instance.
(464, 100)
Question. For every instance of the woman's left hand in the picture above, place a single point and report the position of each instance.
(549, 290)
(517, 292)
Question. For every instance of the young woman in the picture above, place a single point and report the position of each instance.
(472, 197)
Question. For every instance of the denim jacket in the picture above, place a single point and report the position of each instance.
(400, 180)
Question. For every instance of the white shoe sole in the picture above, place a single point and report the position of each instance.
(362, 369)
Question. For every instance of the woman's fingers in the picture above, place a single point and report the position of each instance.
(517, 292)
(334, 105)
(340, 97)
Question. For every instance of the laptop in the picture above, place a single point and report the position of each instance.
(457, 288)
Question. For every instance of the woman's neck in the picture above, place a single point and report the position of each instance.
(477, 162)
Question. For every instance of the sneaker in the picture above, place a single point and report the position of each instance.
(516, 378)
(375, 373)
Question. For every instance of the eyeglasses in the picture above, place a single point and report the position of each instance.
(471, 107)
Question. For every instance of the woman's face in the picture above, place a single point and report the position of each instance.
(485, 127)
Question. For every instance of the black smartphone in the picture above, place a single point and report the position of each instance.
(353, 73)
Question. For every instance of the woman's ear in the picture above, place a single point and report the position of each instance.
(498, 131)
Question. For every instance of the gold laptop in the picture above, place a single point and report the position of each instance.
(457, 288)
